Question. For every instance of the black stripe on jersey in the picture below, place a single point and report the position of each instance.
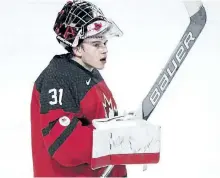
(47, 130)
(61, 139)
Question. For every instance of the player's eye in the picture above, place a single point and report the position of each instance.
(97, 45)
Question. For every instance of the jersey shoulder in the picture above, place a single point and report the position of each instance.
(57, 71)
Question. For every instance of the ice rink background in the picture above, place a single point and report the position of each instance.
(188, 113)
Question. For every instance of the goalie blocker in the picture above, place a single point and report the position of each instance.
(117, 141)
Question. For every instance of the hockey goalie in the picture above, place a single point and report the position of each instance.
(70, 98)
(76, 130)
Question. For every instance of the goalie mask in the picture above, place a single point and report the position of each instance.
(81, 19)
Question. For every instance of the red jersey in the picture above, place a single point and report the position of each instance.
(65, 99)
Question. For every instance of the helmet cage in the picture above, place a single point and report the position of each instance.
(81, 19)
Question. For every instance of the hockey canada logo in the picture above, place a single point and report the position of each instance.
(110, 110)
(98, 26)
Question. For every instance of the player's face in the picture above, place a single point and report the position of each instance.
(94, 53)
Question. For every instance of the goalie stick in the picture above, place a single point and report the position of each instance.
(197, 14)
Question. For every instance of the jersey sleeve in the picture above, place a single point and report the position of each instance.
(66, 139)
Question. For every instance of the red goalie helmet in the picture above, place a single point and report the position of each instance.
(79, 20)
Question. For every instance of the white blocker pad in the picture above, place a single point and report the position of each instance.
(126, 142)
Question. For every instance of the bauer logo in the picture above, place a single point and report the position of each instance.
(171, 68)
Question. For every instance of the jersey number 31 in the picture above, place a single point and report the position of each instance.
(57, 95)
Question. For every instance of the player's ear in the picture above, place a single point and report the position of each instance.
(77, 51)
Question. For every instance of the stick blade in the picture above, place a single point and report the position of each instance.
(192, 7)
